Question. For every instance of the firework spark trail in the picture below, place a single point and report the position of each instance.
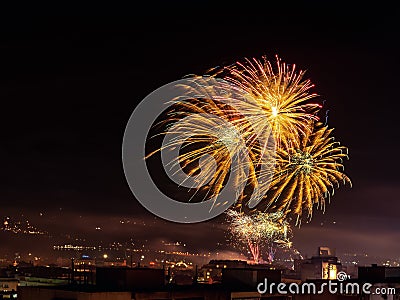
(207, 131)
(309, 164)
(308, 174)
(278, 99)
(259, 230)
(280, 92)
(291, 162)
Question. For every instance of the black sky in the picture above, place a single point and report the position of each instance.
(71, 77)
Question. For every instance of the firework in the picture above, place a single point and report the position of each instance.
(307, 175)
(256, 102)
(258, 231)
(205, 143)
(207, 131)
(280, 92)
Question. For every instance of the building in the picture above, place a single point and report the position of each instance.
(145, 283)
(382, 277)
(375, 273)
(236, 283)
(212, 272)
(122, 278)
(325, 265)
(84, 293)
(249, 278)
(8, 288)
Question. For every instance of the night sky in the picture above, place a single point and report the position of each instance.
(71, 77)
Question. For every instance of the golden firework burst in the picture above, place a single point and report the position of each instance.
(280, 92)
(308, 174)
